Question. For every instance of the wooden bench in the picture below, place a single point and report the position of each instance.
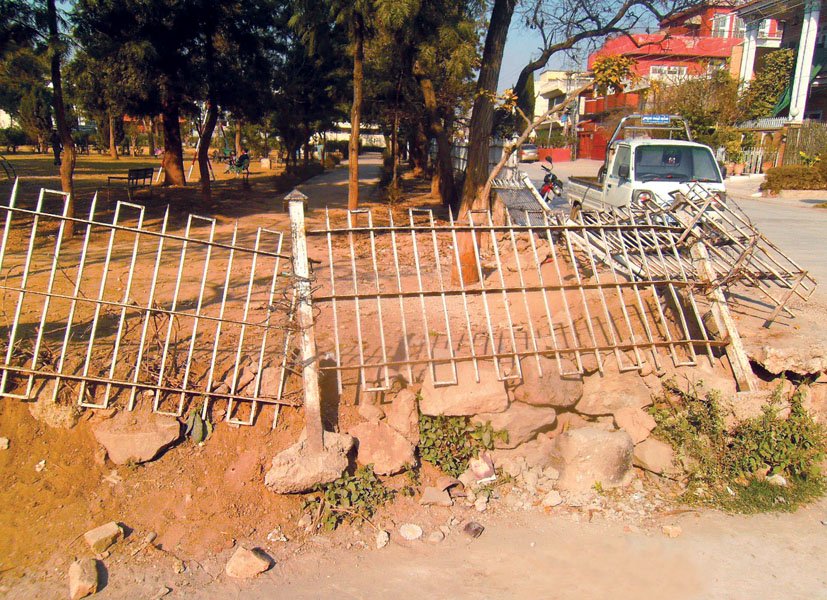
(134, 179)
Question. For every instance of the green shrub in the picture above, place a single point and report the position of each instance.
(350, 497)
(449, 443)
(793, 177)
(725, 467)
(12, 137)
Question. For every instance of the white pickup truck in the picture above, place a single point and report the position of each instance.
(642, 169)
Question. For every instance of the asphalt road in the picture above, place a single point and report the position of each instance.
(796, 226)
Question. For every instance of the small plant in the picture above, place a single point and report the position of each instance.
(350, 497)
(726, 467)
(449, 443)
(198, 429)
(413, 481)
(809, 160)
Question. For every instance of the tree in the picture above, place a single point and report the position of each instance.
(612, 72)
(562, 25)
(357, 17)
(148, 46)
(771, 79)
(35, 115)
(57, 49)
(707, 103)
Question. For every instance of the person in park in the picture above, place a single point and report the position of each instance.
(56, 146)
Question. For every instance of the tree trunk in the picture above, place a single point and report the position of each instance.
(444, 172)
(173, 161)
(113, 147)
(356, 110)
(482, 123)
(419, 150)
(67, 165)
(395, 152)
(482, 116)
(204, 150)
(148, 125)
(238, 137)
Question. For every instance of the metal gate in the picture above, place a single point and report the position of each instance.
(132, 309)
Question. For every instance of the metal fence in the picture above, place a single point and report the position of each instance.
(810, 138)
(125, 312)
(390, 292)
(139, 308)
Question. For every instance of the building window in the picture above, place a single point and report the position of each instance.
(739, 28)
(720, 26)
(667, 72)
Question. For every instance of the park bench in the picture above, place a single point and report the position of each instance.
(134, 179)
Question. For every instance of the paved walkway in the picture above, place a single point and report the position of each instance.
(330, 188)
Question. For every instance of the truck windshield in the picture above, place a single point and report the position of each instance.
(679, 163)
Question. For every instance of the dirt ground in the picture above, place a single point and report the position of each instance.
(202, 501)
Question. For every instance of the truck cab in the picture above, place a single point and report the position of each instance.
(641, 169)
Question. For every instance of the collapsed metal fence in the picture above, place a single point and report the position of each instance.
(168, 312)
(397, 304)
(739, 253)
(126, 312)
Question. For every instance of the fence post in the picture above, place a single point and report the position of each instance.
(304, 303)
(738, 360)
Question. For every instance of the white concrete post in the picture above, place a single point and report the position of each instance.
(310, 362)
(748, 55)
(804, 61)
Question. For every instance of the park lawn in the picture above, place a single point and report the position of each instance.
(36, 171)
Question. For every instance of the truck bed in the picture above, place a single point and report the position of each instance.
(585, 191)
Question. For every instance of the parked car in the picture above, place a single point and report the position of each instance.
(528, 153)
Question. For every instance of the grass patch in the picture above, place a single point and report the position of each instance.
(821, 205)
(726, 467)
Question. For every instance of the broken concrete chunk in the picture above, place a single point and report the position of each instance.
(636, 422)
(136, 438)
(473, 529)
(548, 389)
(671, 531)
(590, 456)
(606, 394)
(244, 563)
(383, 447)
(101, 538)
(269, 387)
(83, 578)
(467, 397)
(552, 499)
(432, 496)
(372, 413)
(296, 470)
(435, 537)
(4, 443)
(403, 415)
(410, 532)
(244, 379)
(521, 421)
(382, 539)
(655, 456)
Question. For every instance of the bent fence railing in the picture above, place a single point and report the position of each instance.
(179, 313)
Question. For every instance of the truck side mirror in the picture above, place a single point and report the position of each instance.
(623, 171)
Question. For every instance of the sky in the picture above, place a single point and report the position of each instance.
(520, 47)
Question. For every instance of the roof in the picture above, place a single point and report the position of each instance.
(661, 44)
(681, 16)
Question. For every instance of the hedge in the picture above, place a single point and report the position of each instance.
(793, 177)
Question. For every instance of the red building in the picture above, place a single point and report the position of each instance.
(689, 44)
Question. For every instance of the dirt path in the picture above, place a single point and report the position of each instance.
(545, 556)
